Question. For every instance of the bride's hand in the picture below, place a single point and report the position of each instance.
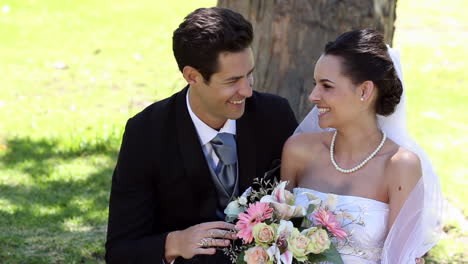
(199, 239)
(420, 261)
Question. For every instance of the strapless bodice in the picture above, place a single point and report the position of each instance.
(365, 221)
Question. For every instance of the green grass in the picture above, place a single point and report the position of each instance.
(434, 59)
(432, 36)
(60, 129)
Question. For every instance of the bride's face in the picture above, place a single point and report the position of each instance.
(337, 98)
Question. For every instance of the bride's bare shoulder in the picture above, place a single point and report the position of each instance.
(403, 169)
(298, 151)
(305, 145)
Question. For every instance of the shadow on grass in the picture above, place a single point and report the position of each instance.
(33, 156)
(66, 214)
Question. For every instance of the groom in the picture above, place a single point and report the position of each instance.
(183, 158)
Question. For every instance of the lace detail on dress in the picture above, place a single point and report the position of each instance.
(365, 221)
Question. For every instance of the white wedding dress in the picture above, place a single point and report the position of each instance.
(366, 225)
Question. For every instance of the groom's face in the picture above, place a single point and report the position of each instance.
(223, 97)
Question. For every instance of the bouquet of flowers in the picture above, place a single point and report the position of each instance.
(274, 230)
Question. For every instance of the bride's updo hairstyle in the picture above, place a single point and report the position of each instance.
(365, 58)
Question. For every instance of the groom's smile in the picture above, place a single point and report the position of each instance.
(237, 102)
(223, 96)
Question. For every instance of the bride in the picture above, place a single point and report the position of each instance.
(355, 144)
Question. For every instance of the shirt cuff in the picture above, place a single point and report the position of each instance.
(164, 262)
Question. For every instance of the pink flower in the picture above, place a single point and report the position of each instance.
(287, 257)
(255, 214)
(256, 255)
(327, 219)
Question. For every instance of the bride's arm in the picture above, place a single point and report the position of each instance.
(288, 162)
(403, 173)
(296, 153)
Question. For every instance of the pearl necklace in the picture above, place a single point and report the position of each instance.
(338, 168)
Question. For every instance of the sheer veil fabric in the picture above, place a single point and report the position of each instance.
(419, 223)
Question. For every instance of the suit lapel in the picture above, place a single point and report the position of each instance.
(246, 147)
(193, 158)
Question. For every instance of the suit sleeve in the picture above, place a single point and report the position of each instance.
(133, 235)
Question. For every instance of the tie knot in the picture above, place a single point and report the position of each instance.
(225, 148)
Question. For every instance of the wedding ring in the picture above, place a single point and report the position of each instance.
(212, 234)
(203, 243)
(224, 234)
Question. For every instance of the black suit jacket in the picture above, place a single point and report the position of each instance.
(162, 182)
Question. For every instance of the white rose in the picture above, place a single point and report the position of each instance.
(232, 211)
(242, 201)
(332, 200)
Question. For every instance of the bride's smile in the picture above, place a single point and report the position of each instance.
(323, 111)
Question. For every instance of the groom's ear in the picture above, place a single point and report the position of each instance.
(191, 75)
(367, 90)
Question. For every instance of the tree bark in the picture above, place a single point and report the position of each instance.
(290, 36)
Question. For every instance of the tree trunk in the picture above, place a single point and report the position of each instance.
(290, 35)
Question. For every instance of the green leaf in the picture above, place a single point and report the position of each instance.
(310, 209)
(316, 258)
(306, 223)
(332, 255)
(240, 258)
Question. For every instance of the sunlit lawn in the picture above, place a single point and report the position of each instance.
(432, 37)
(74, 71)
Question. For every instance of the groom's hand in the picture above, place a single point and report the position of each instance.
(199, 239)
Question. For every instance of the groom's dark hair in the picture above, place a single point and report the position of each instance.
(365, 57)
(205, 33)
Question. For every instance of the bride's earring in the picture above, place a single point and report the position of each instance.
(362, 98)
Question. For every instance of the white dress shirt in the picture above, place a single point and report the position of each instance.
(206, 134)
